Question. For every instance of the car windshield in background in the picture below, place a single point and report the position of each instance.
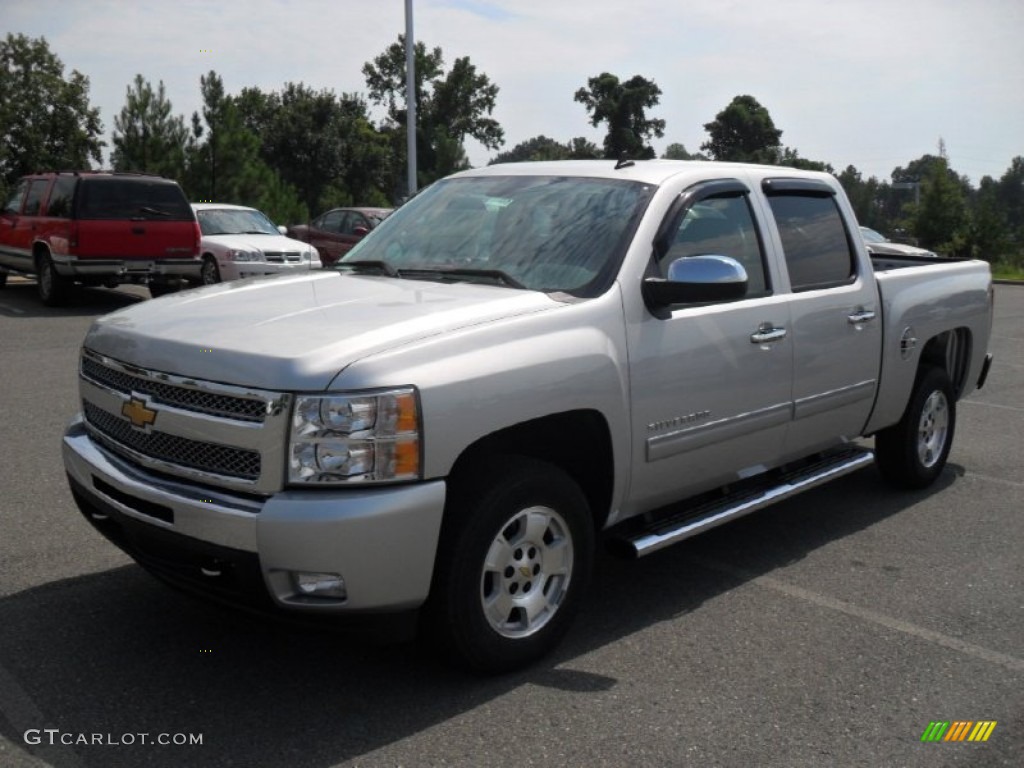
(230, 221)
(541, 233)
(870, 236)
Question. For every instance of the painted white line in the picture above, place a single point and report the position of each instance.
(17, 311)
(991, 479)
(18, 708)
(1016, 408)
(937, 638)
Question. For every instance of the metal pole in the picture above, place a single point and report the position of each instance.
(410, 96)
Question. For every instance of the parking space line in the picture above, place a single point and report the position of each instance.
(936, 638)
(991, 479)
(18, 708)
(1016, 408)
(5, 308)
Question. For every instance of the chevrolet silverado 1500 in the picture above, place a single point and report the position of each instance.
(520, 359)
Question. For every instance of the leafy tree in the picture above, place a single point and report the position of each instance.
(942, 215)
(224, 163)
(449, 108)
(46, 122)
(623, 106)
(988, 234)
(1010, 196)
(147, 138)
(677, 151)
(544, 148)
(791, 158)
(863, 196)
(322, 144)
(743, 132)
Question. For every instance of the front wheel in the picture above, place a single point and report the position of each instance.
(913, 453)
(514, 561)
(209, 273)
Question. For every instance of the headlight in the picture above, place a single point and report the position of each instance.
(239, 255)
(371, 437)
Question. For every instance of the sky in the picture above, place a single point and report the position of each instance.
(870, 83)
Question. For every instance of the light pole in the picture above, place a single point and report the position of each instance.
(410, 97)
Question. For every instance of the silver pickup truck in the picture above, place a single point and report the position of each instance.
(521, 360)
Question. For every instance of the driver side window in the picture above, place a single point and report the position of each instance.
(722, 226)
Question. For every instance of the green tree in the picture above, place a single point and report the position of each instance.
(46, 122)
(223, 162)
(623, 106)
(941, 217)
(450, 108)
(147, 138)
(743, 132)
(863, 196)
(321, 144)
(988, 233)
(544, 148)
(1010, 196)
(677, 151)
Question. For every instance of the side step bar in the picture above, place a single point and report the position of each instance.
(694, 520)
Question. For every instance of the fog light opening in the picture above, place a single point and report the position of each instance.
(329, 585)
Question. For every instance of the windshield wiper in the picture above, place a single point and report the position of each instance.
(462, 273)
(153, 211)
(380, 266)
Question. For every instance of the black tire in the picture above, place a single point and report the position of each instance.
(53, 288)
(913, 453)
(3, 279)
(513, 564)
(209, 273)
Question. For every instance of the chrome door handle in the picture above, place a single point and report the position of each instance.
(767, 333)
(861, 315)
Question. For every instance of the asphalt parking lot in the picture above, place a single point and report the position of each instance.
(830, 630)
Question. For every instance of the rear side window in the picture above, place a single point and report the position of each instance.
(136, 199)
(60, 197)
(817, 250)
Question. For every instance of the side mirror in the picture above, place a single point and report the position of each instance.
(360, 231)
(282, 229)
(697, 279)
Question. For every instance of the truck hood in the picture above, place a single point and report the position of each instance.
(296, 332)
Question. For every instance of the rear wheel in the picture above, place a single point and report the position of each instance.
(913, 453)
(53, 288)
(3, 279)
(514, 561)
(209, 273)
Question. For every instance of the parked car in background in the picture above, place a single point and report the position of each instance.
(334, 233)
(98, 228)
(242, 242)
(879, 245)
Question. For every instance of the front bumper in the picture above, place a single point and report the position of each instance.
(239, 270)
(244, 549)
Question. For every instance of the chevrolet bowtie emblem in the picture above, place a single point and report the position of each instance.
(136, 411)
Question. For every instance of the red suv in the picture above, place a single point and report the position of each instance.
(98, 228)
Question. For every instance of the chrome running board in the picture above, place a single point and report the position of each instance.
(703, 517)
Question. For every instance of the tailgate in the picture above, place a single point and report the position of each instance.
(145, 239)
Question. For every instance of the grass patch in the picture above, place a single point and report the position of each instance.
(1002, 270)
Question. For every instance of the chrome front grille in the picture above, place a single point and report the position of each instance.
(213, 434)
(178, 396)
(282, 257)
(195, 454)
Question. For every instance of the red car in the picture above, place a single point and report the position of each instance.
(98, 228)
(334, 233)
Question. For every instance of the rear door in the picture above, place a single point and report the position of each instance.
(835, 323)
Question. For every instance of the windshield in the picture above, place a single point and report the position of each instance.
(870, 236)
(231, 221)
(540, 233)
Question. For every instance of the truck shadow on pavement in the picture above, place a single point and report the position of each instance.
(20, 299)
(119, 653)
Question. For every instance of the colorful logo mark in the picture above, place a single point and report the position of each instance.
(958, 730)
